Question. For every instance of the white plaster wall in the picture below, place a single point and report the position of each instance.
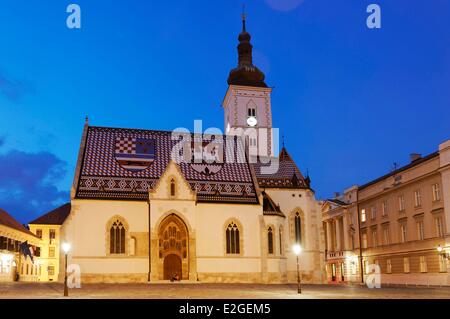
(210, 232)
(86, 230)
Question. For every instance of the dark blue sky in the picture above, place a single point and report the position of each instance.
(350, 101)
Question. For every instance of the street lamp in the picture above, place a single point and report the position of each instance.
(297, 250)
(442, 252)
(66, 248)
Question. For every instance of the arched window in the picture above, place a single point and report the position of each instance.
(298, 228)
(117, 235)
(172, 187)
(232, 238)
(270, 240)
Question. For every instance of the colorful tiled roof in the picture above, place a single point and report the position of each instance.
(54, 217)
(287, 176)
(101, 176)
(9, 221)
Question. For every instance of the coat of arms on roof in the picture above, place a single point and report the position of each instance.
(134, 154)
(207, 155)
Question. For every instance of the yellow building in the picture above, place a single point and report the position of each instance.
(48, 229)
(403, 222)
(13, 266)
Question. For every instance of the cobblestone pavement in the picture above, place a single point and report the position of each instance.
(215, 291)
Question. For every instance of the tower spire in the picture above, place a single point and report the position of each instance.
(246, 73)
(244, 17)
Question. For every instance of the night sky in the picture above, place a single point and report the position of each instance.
(350, 101)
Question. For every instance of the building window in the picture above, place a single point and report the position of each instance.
(401, 203)
(423, 264)
(388, 266)
(439, 227)
(374, 238)
(420, 230)
(386, 235)
(373, 212)
(251, 111)
(51, 270)
(417, 198)
(117, 235)
(436, 192)
(403, 233)
(406, 265)
(232, 237)
(366, 266)
(270, 240)
(52, 235)
(384, 208)
(39, 233)
(364, 240)
(172, 187)
(51, 252)
(363, 215)
(298, 229)
(442, 263)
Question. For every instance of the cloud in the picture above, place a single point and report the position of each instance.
(28, 183)
(284, 5)
(13, 89)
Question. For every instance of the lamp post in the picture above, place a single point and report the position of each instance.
(297, 250)
(66, 249)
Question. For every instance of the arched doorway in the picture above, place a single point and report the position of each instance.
(173, 249)
(172, 266)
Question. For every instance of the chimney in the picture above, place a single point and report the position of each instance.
(337, 194)
(414, 157)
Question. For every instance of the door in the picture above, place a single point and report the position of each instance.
(342, 272)
(172, 266)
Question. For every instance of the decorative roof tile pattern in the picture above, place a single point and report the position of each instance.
(54, 217)
(287, 176)
(102, 177)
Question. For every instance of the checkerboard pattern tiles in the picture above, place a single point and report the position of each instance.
(99, 164)
(126, 145)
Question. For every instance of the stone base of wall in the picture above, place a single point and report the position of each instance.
(307, 277)
(114, 278)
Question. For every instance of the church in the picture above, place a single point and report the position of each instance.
(137, 214)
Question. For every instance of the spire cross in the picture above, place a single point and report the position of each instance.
(244, 17)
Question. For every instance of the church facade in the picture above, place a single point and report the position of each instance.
(139, 214)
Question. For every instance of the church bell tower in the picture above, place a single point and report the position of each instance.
(247, 104)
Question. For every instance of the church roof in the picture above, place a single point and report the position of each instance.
(54, 217)
(287, 176)
(9, 221)
(102, 175)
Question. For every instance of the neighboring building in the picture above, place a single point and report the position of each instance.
(136, 215)
(13, 265)
(340, 224)
(48, 229)
(404, 217)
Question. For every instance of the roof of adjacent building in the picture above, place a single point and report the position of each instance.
(9, 221)
(401, 169)
(54, 217)
(287, 176)
(269, 206)
(102, 177)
